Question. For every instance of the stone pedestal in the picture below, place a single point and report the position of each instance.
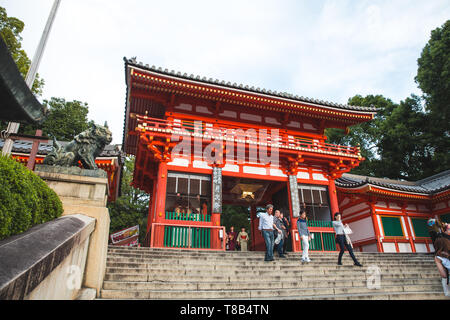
(86, 192)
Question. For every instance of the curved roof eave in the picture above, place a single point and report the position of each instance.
(18, 103)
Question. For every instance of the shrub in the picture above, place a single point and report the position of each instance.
(25, 199)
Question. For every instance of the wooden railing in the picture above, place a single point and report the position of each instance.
(323, 237)
(188, 216)
(212, 131)
(188, 237)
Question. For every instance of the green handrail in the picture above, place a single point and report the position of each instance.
(178, 237)
(320, 224)
(188, 216)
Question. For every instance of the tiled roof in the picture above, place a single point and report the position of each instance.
(430, 185)
(23, 146)
(192, 77)
(18, 103)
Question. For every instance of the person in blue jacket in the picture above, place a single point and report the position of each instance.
(305, 235)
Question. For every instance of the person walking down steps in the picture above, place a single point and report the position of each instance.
(242, 239)
(442, 259)
(305, 236)
(341, 239)
(266, 228)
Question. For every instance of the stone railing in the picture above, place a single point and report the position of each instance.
(48, 261)
(55, 260)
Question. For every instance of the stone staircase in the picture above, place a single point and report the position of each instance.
(144, 273)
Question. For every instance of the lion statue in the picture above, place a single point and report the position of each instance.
(85, 147)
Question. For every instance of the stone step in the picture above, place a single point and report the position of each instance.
(313, 271)
(331, 260)
(438, 295)
(210, 253)
(147, 273)
(288, 257)
(168, 278)
(182, 252)
(261, 256)
(263, 270)
(283, 265)
(253, 285)
(258, 294)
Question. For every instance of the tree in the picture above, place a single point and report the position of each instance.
(403, 145)
(65, 120)
(367, 135)
(10, 30)
(131, 208)
(433, 78)
(236, 216)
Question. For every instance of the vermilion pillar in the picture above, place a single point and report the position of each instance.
(375, 226)
(334, 206)
(408, 228)
(151, 208)
(160, 194)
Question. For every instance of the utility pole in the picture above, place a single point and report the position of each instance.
(13, 127)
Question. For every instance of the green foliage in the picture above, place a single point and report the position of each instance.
(433, 74)
(131, 208)
(25, 199)
(65, 120)
(433, 78)
(236, 216)
(10, 30)
(404, 146)
(365, 135)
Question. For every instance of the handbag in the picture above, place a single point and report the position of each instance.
(347, 230)
(279, 237)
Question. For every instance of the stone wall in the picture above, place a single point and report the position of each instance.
(46, 262)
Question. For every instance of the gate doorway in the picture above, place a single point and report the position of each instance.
(252, 196)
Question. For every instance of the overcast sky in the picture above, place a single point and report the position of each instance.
(329, 50)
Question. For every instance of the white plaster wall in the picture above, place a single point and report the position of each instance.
(319, 176)
(362, 229)
(277, 173)
(231, 167)
(202, 109)
(422, 208)
(370, 248)
(421, 247)
(184, 106)
(404, 247)
(344, 202)
(440, 205)
(381, 204)
(303, 175)
(393, 205)
(389, 247)
(358, 207)
(179, 162)
(380, 229)
(406, 232)
(411, 229)
(254, 170)
(200, 164)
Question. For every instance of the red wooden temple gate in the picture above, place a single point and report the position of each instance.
(200, 143)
